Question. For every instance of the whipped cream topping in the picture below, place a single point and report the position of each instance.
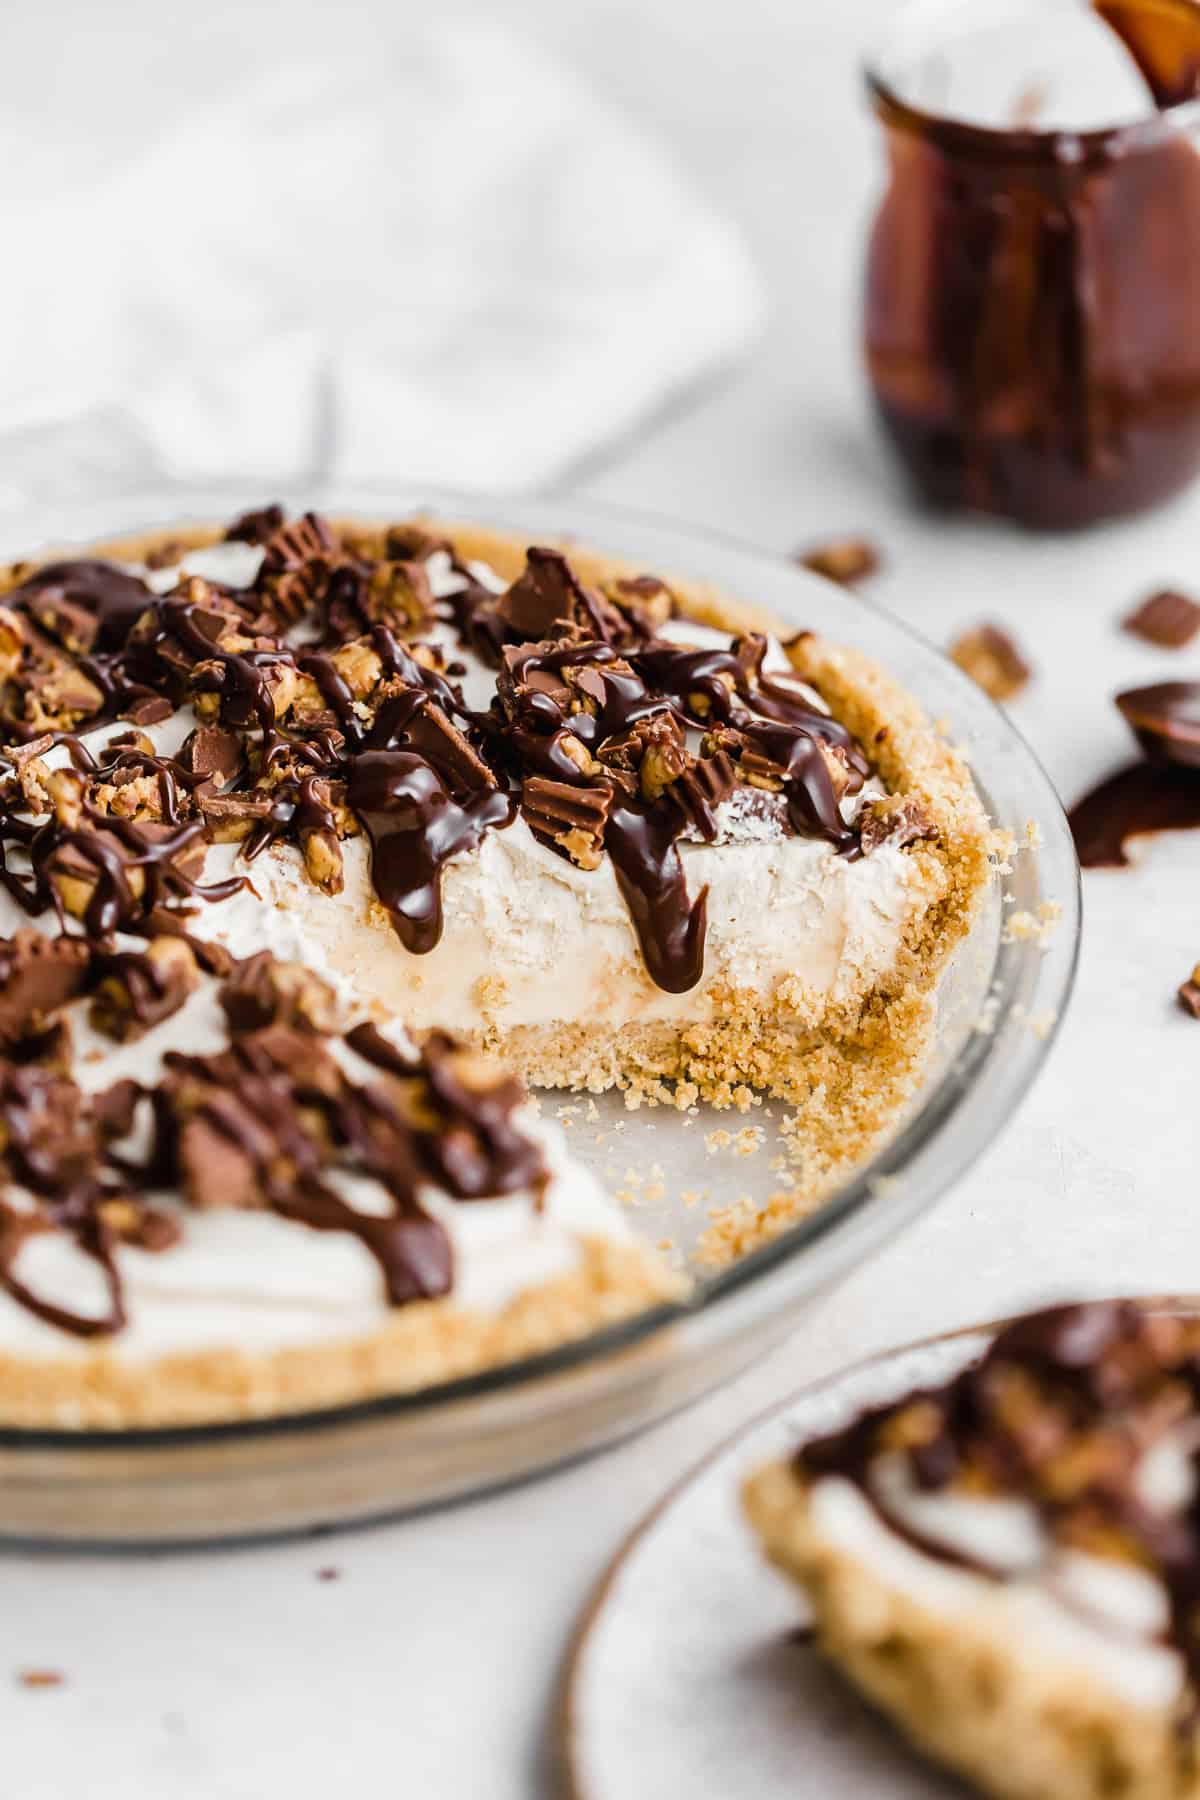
(253, 1281)
(1096, 1618)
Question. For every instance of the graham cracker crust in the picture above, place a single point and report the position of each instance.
(1017, 1721)
(422, 1345)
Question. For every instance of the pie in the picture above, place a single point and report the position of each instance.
(487, 799)
(1009, 1565)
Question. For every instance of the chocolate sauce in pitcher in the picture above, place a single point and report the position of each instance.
(1033, 296)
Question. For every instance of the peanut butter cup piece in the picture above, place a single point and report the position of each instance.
(1168, 619)
(140, 988)
(846, 560)
(299, 541)
(262, 991)
(572, 817)
(409, 541)
(258, 526)
(898, 820)
(1189, 993)
(440, 741)
(38, 975)
(548, 595)
(991, 658)
(84, 603)
(217, 755)
(705, 783)
(1165, 720)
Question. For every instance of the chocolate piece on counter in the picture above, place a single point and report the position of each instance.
(1165, 720)
(572, 817)
(216, 755)
(1189, 993)
(992, 660)
(1168, 619)
(845, 560)
(261, 991)
(1144, 798)
(140, 988)
(258, 526)
(898, 820)
(38, 975)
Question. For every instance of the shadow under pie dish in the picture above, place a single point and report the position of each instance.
(608, 828)
(1006, 1564)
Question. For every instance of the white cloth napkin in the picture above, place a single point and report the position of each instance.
(458, 265)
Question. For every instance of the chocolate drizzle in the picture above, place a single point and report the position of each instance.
(1060, 1413)
(85, 605)
(1160, 794)
(416, 825)
(274, 1121)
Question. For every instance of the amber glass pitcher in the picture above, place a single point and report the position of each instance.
(1033, 277)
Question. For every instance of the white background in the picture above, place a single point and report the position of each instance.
(428, 1668)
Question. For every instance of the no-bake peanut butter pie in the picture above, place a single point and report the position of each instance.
(611, 829)
(1009, 1566)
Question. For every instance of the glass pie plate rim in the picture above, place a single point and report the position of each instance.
(745, 1306)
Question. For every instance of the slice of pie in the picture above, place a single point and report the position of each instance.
(1009, 1565)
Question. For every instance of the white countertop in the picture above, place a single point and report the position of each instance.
(428, 1666)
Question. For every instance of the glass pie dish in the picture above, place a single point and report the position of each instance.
(997, 1006)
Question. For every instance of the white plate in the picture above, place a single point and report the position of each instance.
(688, 1677)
